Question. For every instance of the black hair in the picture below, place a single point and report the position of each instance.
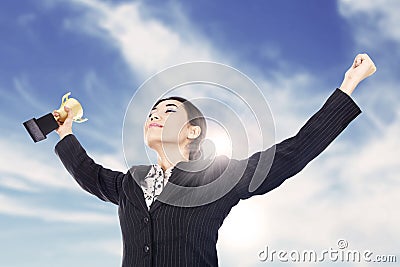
(195, 118)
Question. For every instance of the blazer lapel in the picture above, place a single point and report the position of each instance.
(188, 175)
(185, 175)
(166, 193)
(131, 186)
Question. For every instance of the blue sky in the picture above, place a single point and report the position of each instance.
(102, 51)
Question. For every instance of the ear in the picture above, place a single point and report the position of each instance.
(194, 132)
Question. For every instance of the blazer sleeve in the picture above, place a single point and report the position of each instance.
(291, 155)
(92, 177)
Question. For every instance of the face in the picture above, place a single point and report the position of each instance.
(168, 123)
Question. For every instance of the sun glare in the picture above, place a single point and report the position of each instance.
(220, 139)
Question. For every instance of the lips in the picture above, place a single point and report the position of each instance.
(155, 125)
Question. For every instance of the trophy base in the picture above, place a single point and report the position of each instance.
(39, 128)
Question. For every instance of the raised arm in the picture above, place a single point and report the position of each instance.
(92, 177)
(293, 154)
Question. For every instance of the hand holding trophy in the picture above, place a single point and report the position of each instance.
(39, 128)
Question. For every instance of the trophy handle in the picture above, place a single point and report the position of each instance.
(65, 97)
(80, 120)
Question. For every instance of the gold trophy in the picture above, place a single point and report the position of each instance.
(76, 107)
(39, 128)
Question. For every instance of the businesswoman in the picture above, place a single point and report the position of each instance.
(158, 233)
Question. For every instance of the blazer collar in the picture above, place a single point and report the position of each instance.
(134, 192)
(131, 186)
(184, 174)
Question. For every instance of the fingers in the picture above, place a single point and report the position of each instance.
(365, 61)
(56, 116)
(69, 112)
(359, 59)
(371, 63)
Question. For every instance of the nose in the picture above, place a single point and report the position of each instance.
(154, 116)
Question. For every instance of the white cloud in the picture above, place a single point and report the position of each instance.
(14, 207)
(112, 247)
(31, 172)
(372, 16)
(146, 43)
(17, 184)
(111, 161)
(270, 51)
(380, 155)
(39, 169)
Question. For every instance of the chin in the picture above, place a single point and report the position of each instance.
(153, 143)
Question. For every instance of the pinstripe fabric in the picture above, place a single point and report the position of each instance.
(171, 236)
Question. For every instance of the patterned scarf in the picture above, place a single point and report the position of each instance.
(154, 183)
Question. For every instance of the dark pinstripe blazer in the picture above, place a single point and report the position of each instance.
(170, 235)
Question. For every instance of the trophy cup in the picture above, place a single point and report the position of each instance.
(39, 128)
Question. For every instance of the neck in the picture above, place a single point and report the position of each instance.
(168, 155)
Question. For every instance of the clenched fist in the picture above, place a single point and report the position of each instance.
(65, 128)
(361, 68)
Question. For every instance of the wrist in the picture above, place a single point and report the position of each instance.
(348, 85)
(62, 135)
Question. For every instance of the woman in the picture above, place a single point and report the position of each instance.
(158, 233)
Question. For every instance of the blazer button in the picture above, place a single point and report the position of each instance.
(146, 249)
(146, 220)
